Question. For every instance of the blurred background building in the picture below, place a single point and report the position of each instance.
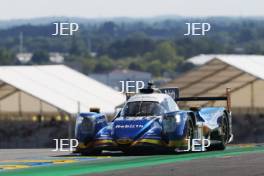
(244, 74)
(40, 103)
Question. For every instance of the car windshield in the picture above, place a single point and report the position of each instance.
(142, 108)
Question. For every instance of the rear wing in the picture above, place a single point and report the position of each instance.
(174, 93)
(226, 97)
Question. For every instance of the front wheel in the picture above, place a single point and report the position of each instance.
(189, 134)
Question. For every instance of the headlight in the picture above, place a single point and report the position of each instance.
(79, 120)
(87, 125)
(84, 125)
(170, 122)
(178, 118)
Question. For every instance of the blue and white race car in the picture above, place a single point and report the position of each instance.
(152, 121)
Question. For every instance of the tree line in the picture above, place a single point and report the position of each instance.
(157, 47)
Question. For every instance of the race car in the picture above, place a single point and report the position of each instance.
(152, 121)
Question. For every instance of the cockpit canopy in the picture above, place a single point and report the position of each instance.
(147, 106)
(142, 108)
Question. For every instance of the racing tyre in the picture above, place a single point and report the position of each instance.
(190, 131)
(223, 137)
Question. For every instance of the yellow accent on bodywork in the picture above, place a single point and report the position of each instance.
(105, 141)
(124, 141)
(151, 141)
(81, 145)
(178, 143)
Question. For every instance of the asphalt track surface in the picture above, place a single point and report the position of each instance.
(240, 160)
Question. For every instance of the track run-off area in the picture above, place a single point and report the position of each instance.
(49, 164)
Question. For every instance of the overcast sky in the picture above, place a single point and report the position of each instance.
(15, 9)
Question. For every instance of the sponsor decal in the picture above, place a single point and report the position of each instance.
(129, 126)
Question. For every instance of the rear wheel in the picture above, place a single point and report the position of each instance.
(223, 136)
